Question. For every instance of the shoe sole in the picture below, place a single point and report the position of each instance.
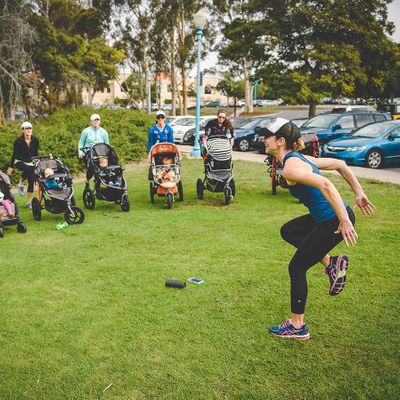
(296, 337)
(341, 270)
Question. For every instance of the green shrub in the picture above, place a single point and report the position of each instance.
(59, 134)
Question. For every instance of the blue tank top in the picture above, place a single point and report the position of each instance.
(311, 197)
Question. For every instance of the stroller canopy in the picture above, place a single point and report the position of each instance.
(163, 148)
(104, 150)
(219, 149)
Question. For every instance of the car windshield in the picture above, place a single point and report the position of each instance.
(238, 123)
(184, 122)
(373, 130)
(320, 121)
(249, 124)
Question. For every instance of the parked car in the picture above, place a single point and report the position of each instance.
(299, 122)
(188, 137)
(331, 126)
(244, 134)
(181, 127)
(341, 109)
(392, 109)
(372, 145)
(211, 104)
(174, 120)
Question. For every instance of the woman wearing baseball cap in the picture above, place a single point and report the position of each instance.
(90, 136)
(330, 219)
(25, 147)
(160, 131)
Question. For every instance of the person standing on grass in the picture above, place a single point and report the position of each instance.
(90, 136)
(25, 147)
(160, 132)
(220, 126)
(314, 235)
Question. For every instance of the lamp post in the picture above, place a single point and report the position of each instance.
(199, 19)
(256, 83)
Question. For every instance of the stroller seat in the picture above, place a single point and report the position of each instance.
(60, 194)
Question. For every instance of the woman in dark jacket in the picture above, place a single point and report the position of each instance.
(25, 147)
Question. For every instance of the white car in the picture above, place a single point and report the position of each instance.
(181, 127)
(180, 131)
(175, 120)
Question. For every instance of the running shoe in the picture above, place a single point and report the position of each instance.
(29, 206)
(288, 331)
(336, 270)
(21, 190)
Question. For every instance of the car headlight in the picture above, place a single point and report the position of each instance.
(355, 148)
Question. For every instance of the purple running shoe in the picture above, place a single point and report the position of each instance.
(336, 270)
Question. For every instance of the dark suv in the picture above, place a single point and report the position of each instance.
(330, 126)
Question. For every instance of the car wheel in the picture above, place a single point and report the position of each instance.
(374, 159)
(244, 145)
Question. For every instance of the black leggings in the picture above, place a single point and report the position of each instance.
(313, 242)
(28, 172)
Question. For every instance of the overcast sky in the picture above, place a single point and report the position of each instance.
(394, 16)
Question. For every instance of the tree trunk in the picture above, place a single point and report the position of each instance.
(1, 114)
(184, 91)
(312, 110)
(90, 98)
(248, 99)
(183, 66)
(173, 72)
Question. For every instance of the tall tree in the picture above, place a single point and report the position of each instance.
(16, 38)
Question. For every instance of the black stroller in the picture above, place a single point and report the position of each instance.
(218, 168)
(109, 183)
(59, 197)
(5, 218)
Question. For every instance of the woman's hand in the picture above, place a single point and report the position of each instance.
(349, 235)
(9, 171)
(366, 207)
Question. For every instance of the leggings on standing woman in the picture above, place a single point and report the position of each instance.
(28, 172)
(313, 242)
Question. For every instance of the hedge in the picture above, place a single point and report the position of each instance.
(60, 132)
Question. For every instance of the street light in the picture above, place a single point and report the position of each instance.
(256, 83)
(199, 19)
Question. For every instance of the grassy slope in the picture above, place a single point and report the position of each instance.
(85, 307)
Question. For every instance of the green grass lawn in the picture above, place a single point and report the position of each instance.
(86, 307)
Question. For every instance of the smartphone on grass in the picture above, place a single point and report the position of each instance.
(195, 280)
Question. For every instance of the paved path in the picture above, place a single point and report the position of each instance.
(391, 175)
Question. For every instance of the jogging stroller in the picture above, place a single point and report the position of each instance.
(274, 167)
(7, 219)
(58, 197)
(109, 183)
(165, 167)
(218, 168)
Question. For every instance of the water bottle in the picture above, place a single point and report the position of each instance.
(62, 225)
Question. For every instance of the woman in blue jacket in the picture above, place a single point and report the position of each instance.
(160, 131)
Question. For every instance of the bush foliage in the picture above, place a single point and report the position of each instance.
(59, 134)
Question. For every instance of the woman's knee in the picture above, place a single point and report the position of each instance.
(286, 232)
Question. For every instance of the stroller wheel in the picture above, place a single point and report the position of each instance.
(180, 191)
(232, 186)
(77, 217)
(125, 204)
(88, 199)
(200, 189)
(21, 228)
(36, 209)
(151, 192)
(1, 232)
(227, 194)
(169, 200)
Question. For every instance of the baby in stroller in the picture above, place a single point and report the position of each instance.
(165, 160)
(55, 191)
(52, 182)
(9, 213)
(218, 167)
(109, 176)
(109, 183)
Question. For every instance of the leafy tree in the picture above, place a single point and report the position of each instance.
(324, 48)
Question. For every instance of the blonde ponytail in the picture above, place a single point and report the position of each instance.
(298, 145)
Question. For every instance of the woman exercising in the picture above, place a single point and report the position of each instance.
(314, 235)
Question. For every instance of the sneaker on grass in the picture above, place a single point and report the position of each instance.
(29, 206)
(288, 331)
(21, 190)
(336, 270)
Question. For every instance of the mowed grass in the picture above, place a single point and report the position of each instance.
(84, 313)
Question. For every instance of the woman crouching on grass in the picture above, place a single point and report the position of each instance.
(314, 235)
